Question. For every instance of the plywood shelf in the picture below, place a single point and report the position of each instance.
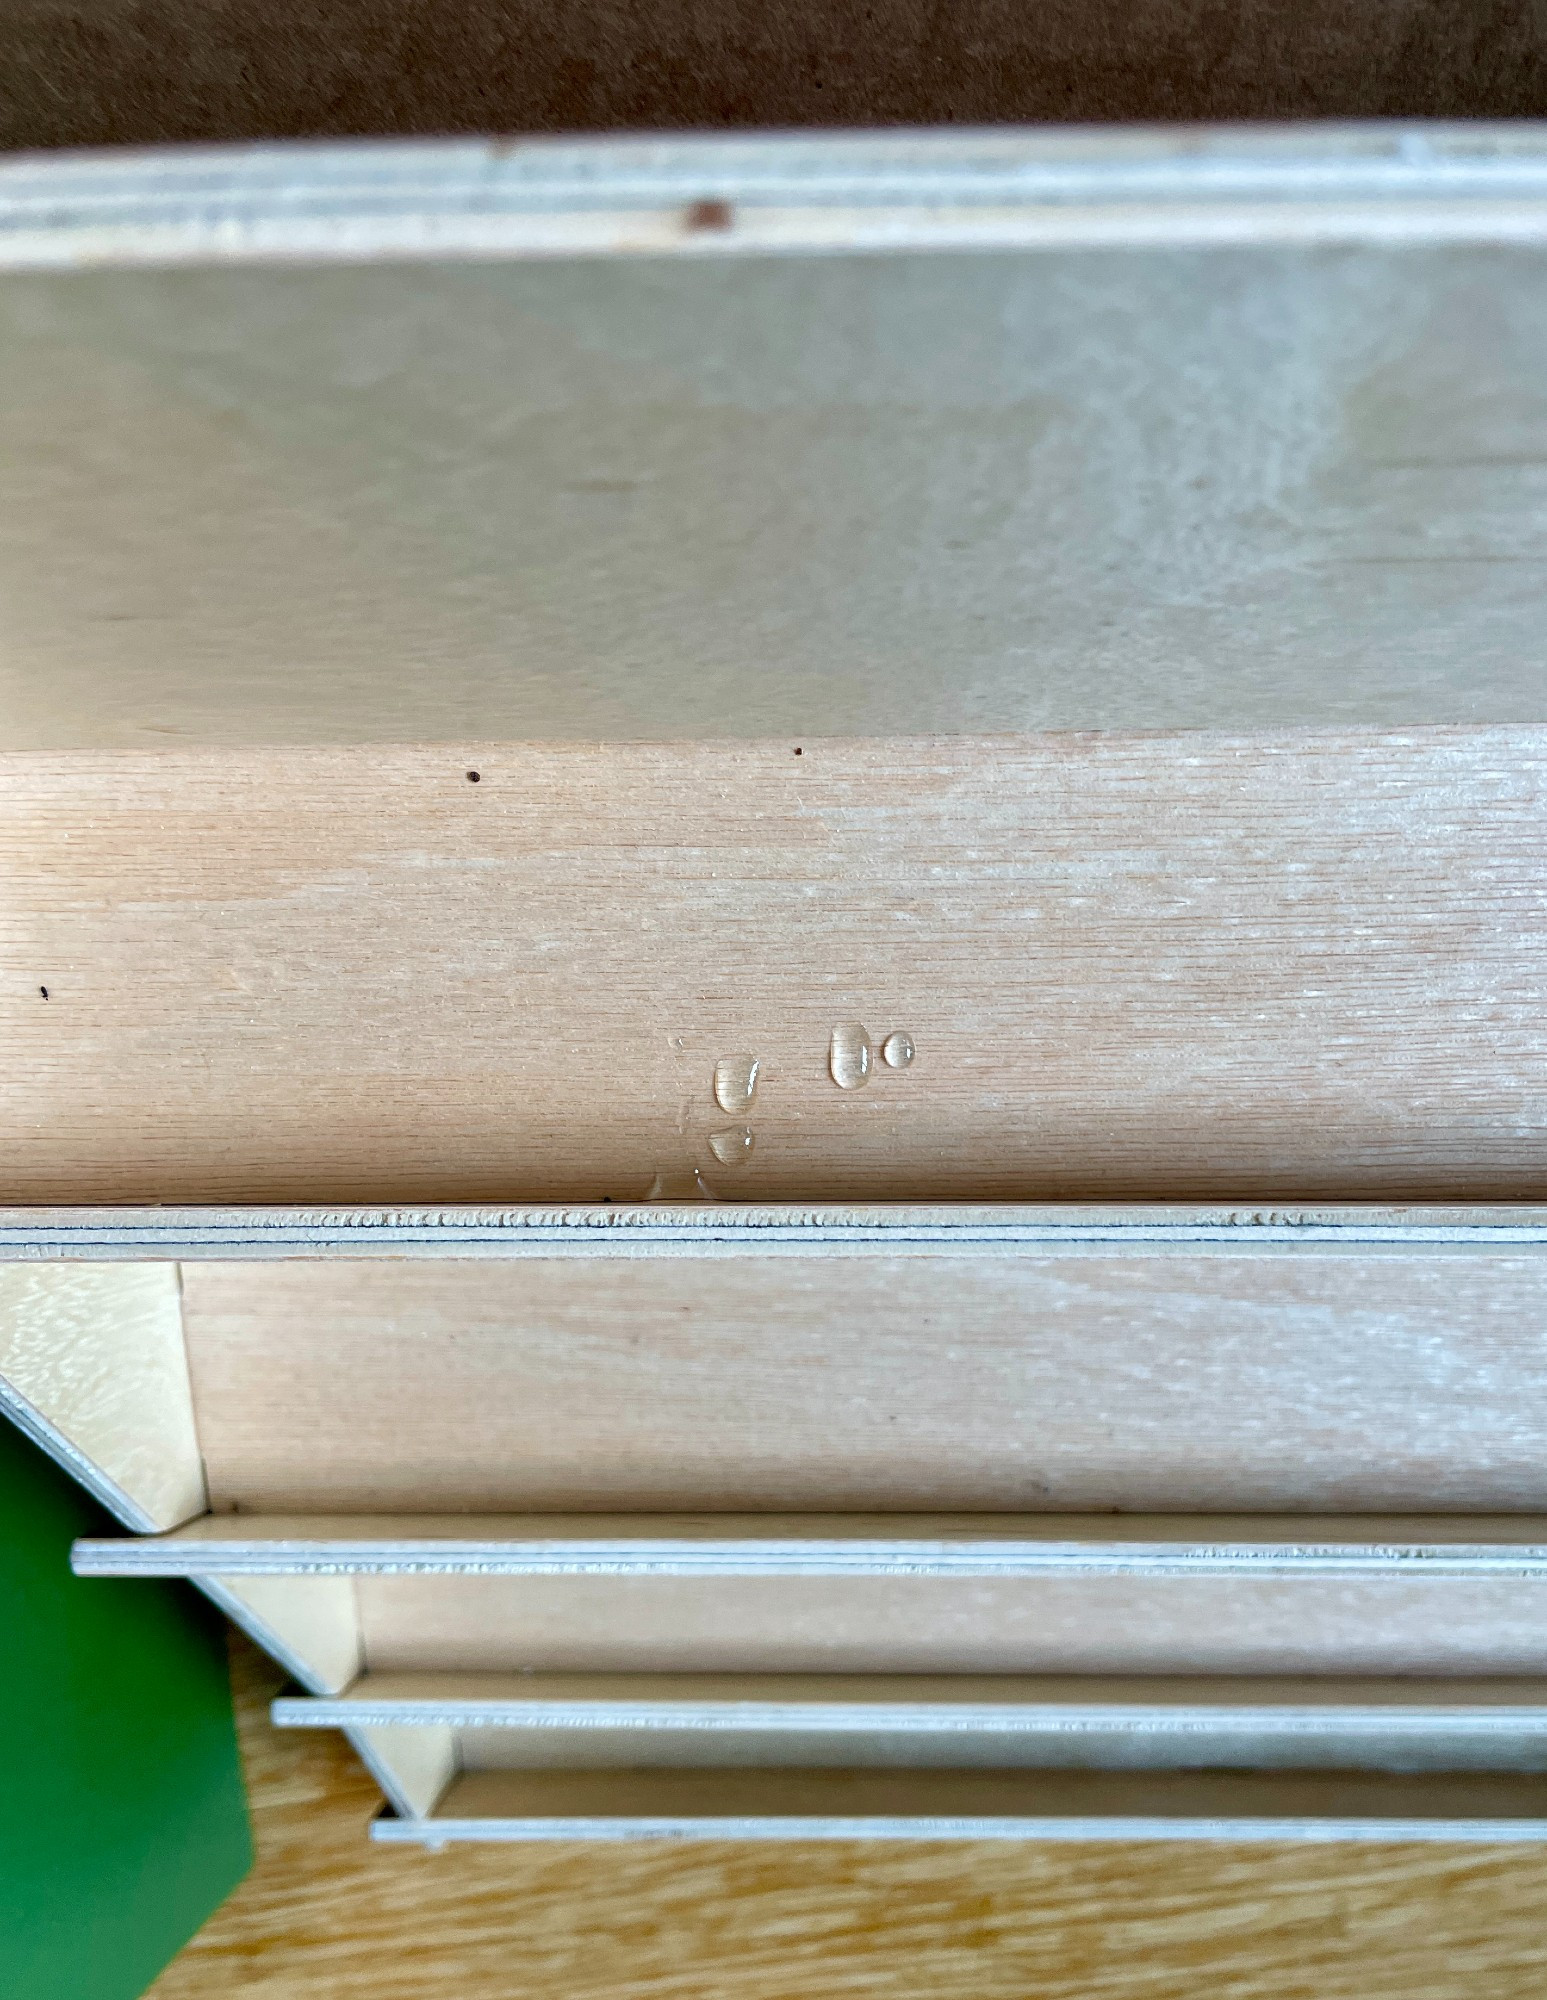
(1115, 691)
(1332, 1546)
(976, 1805)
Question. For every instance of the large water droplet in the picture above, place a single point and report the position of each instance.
(730, 1148)
(680, 1184)
(897, 1050)
(848, 1055)
(735, 1082)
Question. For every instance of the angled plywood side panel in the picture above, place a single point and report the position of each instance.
(413, 1765)
(1291, 967)
(1178, 466)
(93, 1367)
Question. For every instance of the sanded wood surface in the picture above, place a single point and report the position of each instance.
(1083, 487)
(327, 1916)
(1299, 965)
(1093, 1624)
(311, 1624)
(1278, 1383)
(92, 1366)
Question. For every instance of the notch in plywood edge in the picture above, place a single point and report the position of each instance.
(975, 1805)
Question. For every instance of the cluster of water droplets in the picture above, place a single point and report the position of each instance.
(851, 1061)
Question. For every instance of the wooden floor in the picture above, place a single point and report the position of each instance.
(326, 1916)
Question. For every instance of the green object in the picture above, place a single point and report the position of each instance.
(123, 1818)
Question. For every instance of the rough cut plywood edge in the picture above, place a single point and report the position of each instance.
(752, 1804)
(441, 1832)
(904, 1704)
(745, 1545)
(770, 194)
(718, 1229)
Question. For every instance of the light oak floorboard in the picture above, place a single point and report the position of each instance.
(327, 1916)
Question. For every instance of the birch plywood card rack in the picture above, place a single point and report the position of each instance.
(775, 942)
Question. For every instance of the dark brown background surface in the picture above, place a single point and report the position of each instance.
(101, 72)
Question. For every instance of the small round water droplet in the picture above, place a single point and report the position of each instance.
(735, 1082)
(848, 1055)
(897, 1050)
(731, 1147)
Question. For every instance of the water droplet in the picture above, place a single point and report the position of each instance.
(735, 1082)
(897, 1050)
(848, 1055)
(680, 1184)
(731, 1147)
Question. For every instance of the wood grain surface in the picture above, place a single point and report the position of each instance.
(595, 499)
(1177, 966)
(92, 1364)
(1322, 1382)
(1092, 1624)
(327, 1916)
(1139, 966)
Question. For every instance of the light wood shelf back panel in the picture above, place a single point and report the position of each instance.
(1302, 1382)
(1288, 967)
(1168, 1624)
